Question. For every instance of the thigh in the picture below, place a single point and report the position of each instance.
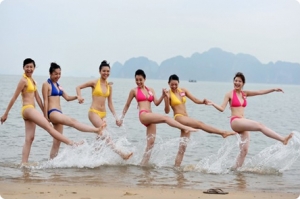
(242, 124)
(95, 119)
(59, 118)
(185, 120)
(36, 117)
(152, 118)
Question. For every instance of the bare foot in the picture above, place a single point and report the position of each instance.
(190, 129)
(287, 138)
(77, 143)
(228, 133)
(127, 156)
(100, 129)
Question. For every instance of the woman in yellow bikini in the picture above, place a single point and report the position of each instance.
(52, 92)
(176, 98)
(101, 90)
(27, 88)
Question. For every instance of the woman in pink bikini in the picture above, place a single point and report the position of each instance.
(238, 102)
(144, 96)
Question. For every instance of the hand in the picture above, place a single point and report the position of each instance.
(210, 103)
(3, 118)
(206, 102)
(166, 93)
(119, 123)
(80, 99)
(278, 90)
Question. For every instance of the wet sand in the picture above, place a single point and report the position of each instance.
(27, 190)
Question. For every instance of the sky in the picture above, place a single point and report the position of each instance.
(79, 34)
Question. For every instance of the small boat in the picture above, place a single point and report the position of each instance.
(192, 80)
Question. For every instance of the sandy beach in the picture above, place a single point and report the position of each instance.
(12, 190)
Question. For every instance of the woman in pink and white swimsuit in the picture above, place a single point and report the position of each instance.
(238, 102)
(144, 96)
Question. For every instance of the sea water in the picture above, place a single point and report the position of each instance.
(269, 165)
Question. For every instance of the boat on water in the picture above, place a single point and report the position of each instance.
(192, 80)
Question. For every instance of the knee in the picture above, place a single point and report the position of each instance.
(166, 119)
(29, 140)
(200, 125)
(260, 126)
(72, 122)
(47, 127)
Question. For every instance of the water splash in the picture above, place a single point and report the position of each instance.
(220, 162)
(276, 158)
(272, 160)
(90, 154)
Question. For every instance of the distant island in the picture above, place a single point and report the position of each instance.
(212, 65)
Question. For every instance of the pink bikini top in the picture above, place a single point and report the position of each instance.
(235, 102)
(141, 97)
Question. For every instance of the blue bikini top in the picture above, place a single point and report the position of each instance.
(55, 91)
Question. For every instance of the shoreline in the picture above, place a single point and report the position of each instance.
(21, 190)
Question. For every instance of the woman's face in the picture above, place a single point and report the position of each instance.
(139, 80)
(173, 84)
(29, 69)
(104, 72)
(238, 83)
(55, 75)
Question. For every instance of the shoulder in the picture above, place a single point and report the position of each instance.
(133, 90)
(46, 83)
(244, 93)
(109, 86)
(229, 94)
(183, 90)
(152, 90)
(92, 82)
(23, 80)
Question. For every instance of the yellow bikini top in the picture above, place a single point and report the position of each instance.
(98, 90)
(31, 86)
(175, 100)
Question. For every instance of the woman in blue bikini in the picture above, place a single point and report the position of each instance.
(52, 92)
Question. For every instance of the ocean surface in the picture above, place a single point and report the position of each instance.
(269, 165)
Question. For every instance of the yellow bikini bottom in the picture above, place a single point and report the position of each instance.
(99, 113)
(176, 115)
(24, 108)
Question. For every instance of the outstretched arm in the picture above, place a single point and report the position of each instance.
(18, 90)
(262, 92)
(68, 98)
(224, 104)
(82, 86)
(194, 99)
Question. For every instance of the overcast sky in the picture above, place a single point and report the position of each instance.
(79, 34)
